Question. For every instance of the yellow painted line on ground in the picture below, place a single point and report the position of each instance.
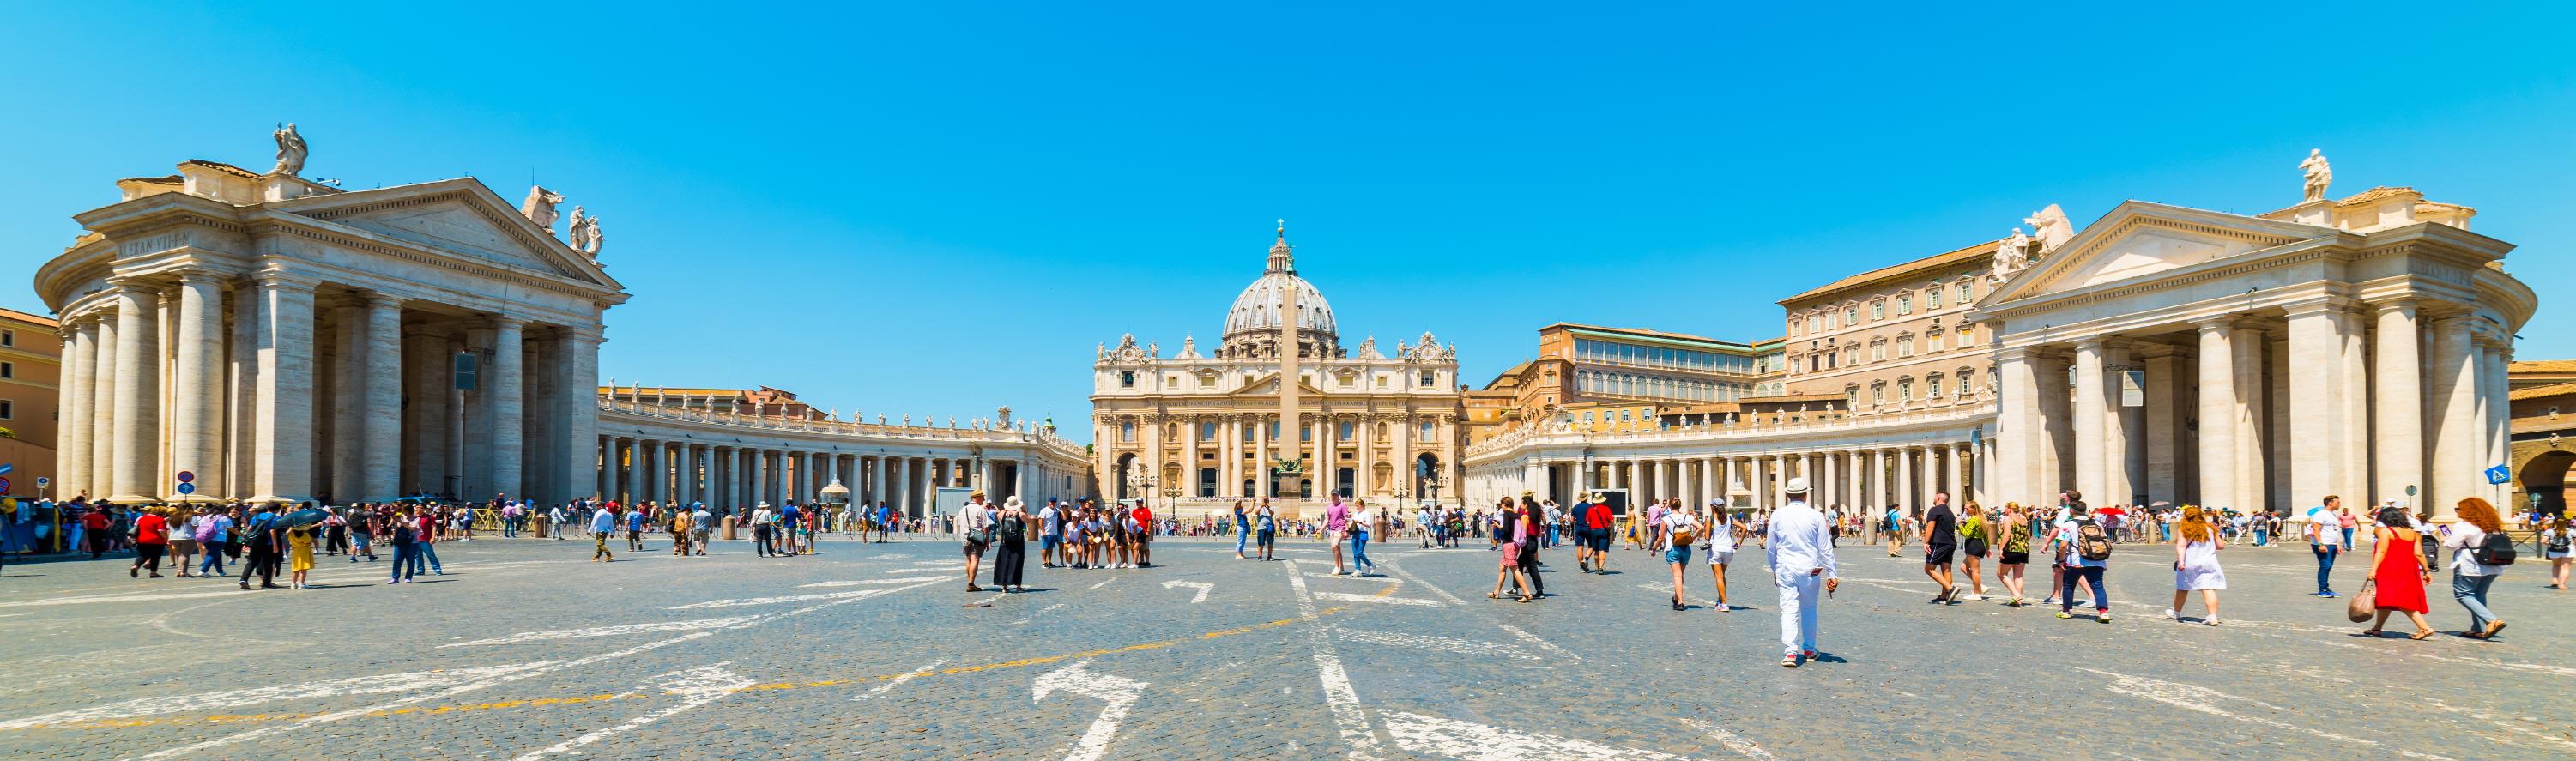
(769, 687)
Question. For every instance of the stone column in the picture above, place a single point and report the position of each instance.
(425, 409)
(757, 468)
(282, 454)
(135, 469)
(380, 450)
(2397, 424)
(2455, 424)
(197, 402)
(1366, 472)
(2218, 415)
(2354, 413)
(2018, 435)
(2316, 344)
(1406, 467)
(79, 405)
(2090, 413)
(241, 394)
(102, 428)
(577, 368)
(1878, 492)
(1951, 454)
(1189, 484)
(2164, 398)
(348, 421)
(503, 390)
(1904, 480)
(2118, 485)
(2253, 472)
(706, 478)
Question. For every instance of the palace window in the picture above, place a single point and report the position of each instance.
(1207, 381)
(8, 338)
(1344, 433)
(1851, 315)
(1967, 336)
(1932, 386)
(8, 369)
(1878, 310)
(1207, 431)
(1127, 431)
(1851, 395)
(1905, 304)
(1905, 346)
(1966, 377)
(1932, 297)
(1427, 379)
(1878, 393)
(1814, 323)
(1967, 291)
(1878, 350)
(8, 410)
(1905, 389)
(1126, 379)
(1426, 432)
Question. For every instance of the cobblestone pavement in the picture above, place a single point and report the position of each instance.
(525, 651)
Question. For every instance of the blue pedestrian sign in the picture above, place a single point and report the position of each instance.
(187, 488)
(2499, 474)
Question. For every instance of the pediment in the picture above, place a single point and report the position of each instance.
(2139, 240)
(1268, 385)
(456, 217)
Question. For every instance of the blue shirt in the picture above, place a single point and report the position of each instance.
(603, 522)
(635, 520)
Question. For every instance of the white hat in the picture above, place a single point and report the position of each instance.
(1796, 485)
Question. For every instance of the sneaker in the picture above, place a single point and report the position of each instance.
(1788, 661)
(2328, 594)
(2064, 614)
(2212, 620)
(2102, 617)
(1721, 608)
(1808, 654)
(2173, 614)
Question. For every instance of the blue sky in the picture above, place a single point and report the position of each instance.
(937, 208)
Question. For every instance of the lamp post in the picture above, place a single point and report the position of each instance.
(1431, 485)
(1171, 505)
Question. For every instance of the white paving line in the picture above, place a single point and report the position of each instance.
(1117, 693)
(1567, 655)
(1104, 582)
(882, 689)
(1353, 577)
(1339, 697)
(871, 582)
(1348, 597)
(2205, 700)
(1442, 644)
(192, 748)
(1478, 742)
(608, 631)
(854, 594)
(697, 687)
(1732, 741)
(363, 685)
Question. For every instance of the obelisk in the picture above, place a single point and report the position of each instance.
(1282, 261)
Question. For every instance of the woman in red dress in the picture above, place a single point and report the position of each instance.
(2398, 573)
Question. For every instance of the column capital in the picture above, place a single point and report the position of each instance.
(2220, 323)
(2392, 305)
(382, 300)
(505, 322)
(2318, 304)
(193, 276)
(273, 275)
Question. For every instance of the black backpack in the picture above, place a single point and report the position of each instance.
(2495, 549)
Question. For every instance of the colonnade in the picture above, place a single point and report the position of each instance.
(736, 478)
(1859, 477)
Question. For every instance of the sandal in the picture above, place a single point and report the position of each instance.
(2372, 632)
(1494, 596)
(2422, 635)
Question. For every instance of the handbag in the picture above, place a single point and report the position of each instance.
(2360, 607)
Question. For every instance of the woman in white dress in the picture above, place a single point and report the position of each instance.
(2196, 565)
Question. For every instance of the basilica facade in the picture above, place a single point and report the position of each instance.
(1197, 430)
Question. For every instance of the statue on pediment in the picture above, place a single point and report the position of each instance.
(540, 206)
(2051, 227)
(2317, 175)
(583, 232)
(290, 150)
(2011, 255)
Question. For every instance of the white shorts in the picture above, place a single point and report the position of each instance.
(1721, 557)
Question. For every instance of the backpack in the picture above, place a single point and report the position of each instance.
(1686, 533)
(2495, 549)
(2090, 542)
(2559, 543)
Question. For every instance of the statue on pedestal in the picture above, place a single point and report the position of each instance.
(540, 206)
(2050, 226)
(2011, 255)
(290, 150)
(2317, 174)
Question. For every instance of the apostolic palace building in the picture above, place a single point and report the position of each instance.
(238, 334)
(235, 334)
(2354, 347)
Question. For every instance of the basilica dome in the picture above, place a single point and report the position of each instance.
(1254, 320)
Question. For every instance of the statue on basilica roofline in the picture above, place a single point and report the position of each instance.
(583, 233)
(290, 150)
(2051, 227)
(2011, 255)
